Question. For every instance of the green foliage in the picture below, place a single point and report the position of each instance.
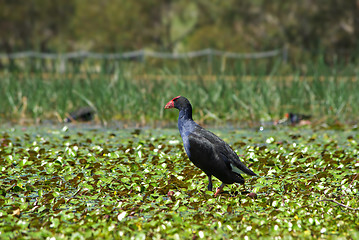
(219, 99)
(103, 183)
(120, 25)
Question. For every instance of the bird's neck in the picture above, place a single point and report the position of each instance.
(185, 123)
(185, 114)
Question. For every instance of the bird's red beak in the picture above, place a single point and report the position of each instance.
(170, 104)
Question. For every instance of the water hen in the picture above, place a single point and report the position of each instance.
(296, 118)
(83, 114)
(206, 150)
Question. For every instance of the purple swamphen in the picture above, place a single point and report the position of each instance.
(206, 150)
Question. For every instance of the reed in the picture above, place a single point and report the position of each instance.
(236, 93)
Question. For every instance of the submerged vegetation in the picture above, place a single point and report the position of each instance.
(94, 183)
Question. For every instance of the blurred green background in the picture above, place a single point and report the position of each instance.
(181, 25)
(316, 72)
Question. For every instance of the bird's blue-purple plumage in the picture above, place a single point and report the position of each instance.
(206, 150)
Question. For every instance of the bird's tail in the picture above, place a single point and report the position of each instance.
(241, 168)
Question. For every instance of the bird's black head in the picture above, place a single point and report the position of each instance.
(180, 103)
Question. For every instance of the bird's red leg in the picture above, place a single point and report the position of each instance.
(219, 190)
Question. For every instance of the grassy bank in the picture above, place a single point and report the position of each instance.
(123, 95)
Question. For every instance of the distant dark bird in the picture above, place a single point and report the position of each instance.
(83, 114)
(206, 150)
(295, 118)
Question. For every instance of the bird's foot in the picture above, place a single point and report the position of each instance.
(219, 190)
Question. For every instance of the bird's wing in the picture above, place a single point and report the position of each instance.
(226, 153)
(204, 155)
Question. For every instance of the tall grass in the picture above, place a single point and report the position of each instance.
(220, 90)
(123, 95)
